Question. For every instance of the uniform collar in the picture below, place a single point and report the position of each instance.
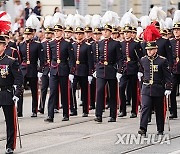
(28, 41)
(107, 39)
(153, 57)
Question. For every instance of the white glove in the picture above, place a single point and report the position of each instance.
(49, 74)
(90, 79)
(15, 86)
(71, 77)
(167, 93)
(118, 76)
(94, 75)
(15, 99)
(40, 75)
(140, 76)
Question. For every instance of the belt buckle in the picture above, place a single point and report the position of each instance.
(105, 63)
(58, 61)
(77, 62)
(128, 59)
(28, 62)
(177, 59)
(151, 82)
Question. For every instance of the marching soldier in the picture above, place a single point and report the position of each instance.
(109, 58)
(95, 48)
(31, 52)
(62, 66)
(10, 75)
(83, 70)
(46, 67)
(156, 84)
(176, 68)
(131, 51)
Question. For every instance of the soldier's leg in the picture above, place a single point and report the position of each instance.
(44, 88)
(159, 109)
(73, 100)
(53, 84)
(134, 82)
(113, 97)
(33, 82)
(84, 91)
(128, 93)
(145, 111)
(173, 109)
(11, 126)
(57, 101)
(122, 87)
(92, 93)
(64, 88)
(100, 93)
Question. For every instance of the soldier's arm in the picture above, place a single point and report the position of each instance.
(119, 57)
(90, 60)
(40, 56)
(18, 78)
(16, 55)
(167, 75)
(169, 53)
(71, 58)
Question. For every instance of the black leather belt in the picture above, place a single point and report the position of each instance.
(5, 88)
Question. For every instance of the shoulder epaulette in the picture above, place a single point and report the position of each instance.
(87, 43)
(13, 48)
(67, 40)
(162, 57)
(135, 40)
(10, 57)
(37, 41)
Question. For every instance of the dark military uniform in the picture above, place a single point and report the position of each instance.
(131, 51)
(10, 75)
(45, 76)
(157, 79)
(31, 52)
(109, 58)
(62, 64)
(10, 51)
(175, 75)
(84, 68)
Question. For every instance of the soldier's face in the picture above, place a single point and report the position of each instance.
(176, 33)
(151, 52)
(48, 35)
(79, 36)
(106, 33)
(127, 35)
(58, 33)
(2, 48)
(133, 35)
(68, 35)
(115, 36)
(97, 37)
(88, 35)
(29, 36)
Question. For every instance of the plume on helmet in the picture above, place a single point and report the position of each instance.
(156, 14)
(168, 23)
(69, 20)
(176, 18)
(145, 21)
(96, 21)
(5, 21)
(59, 18)
(33, 22)
(48, 21)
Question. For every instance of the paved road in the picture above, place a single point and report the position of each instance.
(84, 136)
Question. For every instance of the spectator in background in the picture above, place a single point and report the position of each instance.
(28, 10)
(16, 25)
(37, 9)
(56, 9)
(19, 12)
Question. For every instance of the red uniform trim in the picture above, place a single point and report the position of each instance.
(15, 126)
(165, 108)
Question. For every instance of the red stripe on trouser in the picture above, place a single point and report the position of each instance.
(88, 98)
(117, 97)
(68, 91)
(15, 126)
(105, 95)
(37, 96)
(165, 108)
(137, 97)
